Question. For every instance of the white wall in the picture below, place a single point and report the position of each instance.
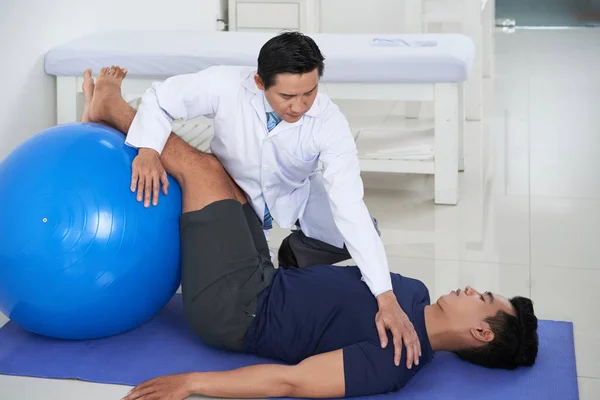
(361, 16)
(29, 28)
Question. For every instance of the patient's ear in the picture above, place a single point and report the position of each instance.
(259, 82)
(483, 333)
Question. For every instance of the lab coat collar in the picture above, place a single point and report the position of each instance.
(260, 104)
(268, 107)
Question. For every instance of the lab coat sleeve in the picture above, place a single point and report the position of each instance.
(185, 96)
(343, 183)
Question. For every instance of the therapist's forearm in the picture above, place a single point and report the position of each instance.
(383, 287)
(151, 126)
(366, 248)
(341, 175)
(120, 115)
(182, 97)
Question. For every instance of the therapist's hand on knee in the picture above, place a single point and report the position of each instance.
(392, 317)
(147, 175)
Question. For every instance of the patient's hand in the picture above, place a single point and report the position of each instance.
(168, 387)
(391, 316)
(147, 175)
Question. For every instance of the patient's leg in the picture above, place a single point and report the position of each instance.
(107, 99)
(179, 159)
(88, 93)
(194, 171)
(223, 271)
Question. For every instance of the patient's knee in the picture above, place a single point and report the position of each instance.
(201, 165)
(213, 164)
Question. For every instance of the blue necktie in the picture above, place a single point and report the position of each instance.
(272, 120)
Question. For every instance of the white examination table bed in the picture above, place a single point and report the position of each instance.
(421, 67)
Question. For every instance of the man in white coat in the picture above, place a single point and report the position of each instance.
(271, 129)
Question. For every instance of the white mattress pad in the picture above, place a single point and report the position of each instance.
(367, 58)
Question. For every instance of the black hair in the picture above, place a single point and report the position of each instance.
(515, 341)
(289, 52)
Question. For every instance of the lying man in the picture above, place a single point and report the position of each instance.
(317, 320)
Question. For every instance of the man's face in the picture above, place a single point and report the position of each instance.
(292, 95)
(467, 310)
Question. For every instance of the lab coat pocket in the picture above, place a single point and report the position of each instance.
(295, 168)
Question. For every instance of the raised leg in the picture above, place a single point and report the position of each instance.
(446, 143)
(202, 178)
(225, 259)
(88, 88)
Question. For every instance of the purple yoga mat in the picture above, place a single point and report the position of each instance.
(165, 345)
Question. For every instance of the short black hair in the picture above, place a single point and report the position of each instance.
(515, 341)
(289, 52)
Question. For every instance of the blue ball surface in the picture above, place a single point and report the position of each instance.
(80, 257)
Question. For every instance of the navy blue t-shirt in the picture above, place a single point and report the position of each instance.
(315, 310)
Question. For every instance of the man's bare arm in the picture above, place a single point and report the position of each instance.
(320, 376)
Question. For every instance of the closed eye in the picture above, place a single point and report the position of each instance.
(481, 297)
(311, 90)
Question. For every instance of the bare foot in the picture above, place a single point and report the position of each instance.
(88, 93)
(106, 93)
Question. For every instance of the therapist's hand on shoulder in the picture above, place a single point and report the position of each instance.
(147, 175)
(392, 317)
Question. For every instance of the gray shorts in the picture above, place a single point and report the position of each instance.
(225, 266)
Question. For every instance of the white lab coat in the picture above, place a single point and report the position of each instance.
(280, 167)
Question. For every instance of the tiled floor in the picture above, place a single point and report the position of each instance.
(528, 220)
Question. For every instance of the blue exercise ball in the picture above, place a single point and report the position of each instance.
(80, 257)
